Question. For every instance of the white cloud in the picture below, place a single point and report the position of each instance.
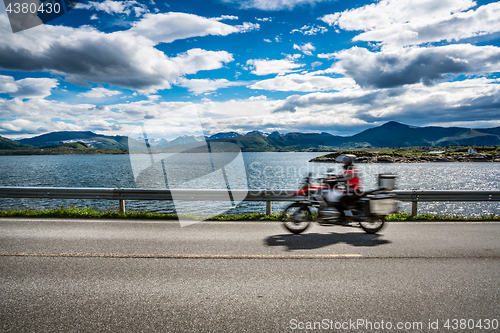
(27, 88)
(331, 19)
(474, 23)
(168, 27)
(40, 109)
(141, 10)
(414, 22)
(257, 98)
(304, 83)
(265, 66)
(123, 58)
(305, 48)
(273, 4)
(34, 87)
(200, 86)
(7, 84)
(154, 97)
(475, 100)
(256, 113)
(94, 17)
(226, 17)
(20, 126)
(388, 12)
(35, 116)
(100, 125)
(327, 55)
(100, 109)
(310, 30)
(27, 126)
(392, 68)
(99, 93)
(195, 60)
(267, 40)
(264, 19)
(115, 7)
(246, 27)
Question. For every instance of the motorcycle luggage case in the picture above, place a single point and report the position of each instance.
(386, 182)
(381, 204)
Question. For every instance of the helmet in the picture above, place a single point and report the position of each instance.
(348, 158)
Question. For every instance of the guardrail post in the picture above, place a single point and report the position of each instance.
(414, 208)
(268, 207)
(122, 206)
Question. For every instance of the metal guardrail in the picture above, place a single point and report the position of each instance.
(122, 194)
(416, 196)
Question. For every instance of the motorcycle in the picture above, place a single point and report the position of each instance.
(320, 203)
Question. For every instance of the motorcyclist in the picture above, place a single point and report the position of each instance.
(350, 177)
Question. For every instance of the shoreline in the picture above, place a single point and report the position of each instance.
(414, 159)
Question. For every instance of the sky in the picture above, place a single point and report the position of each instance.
(270, 65)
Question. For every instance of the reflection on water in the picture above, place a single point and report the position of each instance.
(263, 171)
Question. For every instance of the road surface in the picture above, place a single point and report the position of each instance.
(153, 276)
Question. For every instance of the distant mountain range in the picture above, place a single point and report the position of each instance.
(391, 134)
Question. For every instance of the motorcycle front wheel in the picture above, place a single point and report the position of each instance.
(296, 218)
(374, 225)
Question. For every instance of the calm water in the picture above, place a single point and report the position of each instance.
(263, 170)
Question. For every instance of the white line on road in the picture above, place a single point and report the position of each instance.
(186, 256)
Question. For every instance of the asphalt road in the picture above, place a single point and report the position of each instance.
(146, 276)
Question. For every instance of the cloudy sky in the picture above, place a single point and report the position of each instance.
(286, 65)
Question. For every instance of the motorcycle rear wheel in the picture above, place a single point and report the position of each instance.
(296, 218)
(374, 225)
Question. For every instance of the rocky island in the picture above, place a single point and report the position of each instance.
(409, 157)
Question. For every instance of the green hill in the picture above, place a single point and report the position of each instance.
(92, 140)
(252, 143)
(72, 148)
(494, 130)
(394, 134)
(471, 138)
(9, 144)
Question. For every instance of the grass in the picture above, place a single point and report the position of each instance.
(87, 212)
(429, 217)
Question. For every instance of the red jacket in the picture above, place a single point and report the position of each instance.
(353, 182)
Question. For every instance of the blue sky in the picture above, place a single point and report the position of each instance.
(285, 65)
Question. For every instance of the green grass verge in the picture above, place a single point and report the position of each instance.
(77, 212)
(429, 217)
